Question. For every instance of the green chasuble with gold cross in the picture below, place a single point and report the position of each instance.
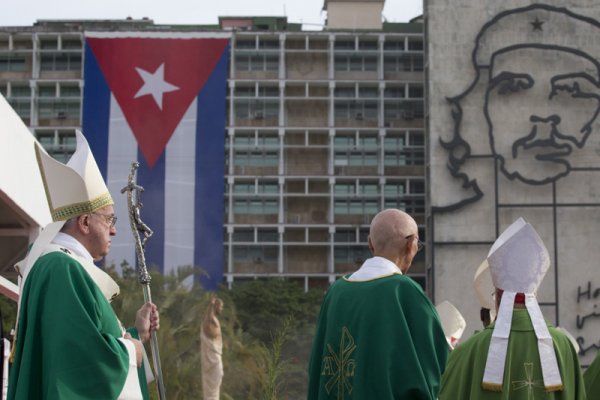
(67, 345)
(522, 372)
(377, 339)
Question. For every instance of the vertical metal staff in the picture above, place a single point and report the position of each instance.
(139, 228)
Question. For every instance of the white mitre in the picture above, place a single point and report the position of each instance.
(484, 288)
(518, 261)
(72, 189)
(452, 321)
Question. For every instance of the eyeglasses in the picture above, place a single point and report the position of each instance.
(420, 244)
(111, 220)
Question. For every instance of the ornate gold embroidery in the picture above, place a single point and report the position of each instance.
(340, 366)
(528, 382)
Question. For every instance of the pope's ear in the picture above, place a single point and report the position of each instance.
(83, 223)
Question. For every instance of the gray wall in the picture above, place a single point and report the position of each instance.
(529, 100)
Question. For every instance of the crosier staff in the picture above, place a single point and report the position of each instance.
(139, 227)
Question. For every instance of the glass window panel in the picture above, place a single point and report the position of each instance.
(370, 64)
(244, 91)
(70, 91)
(368, 92)
(415, 91)
(394, 159)
(21, 107)
(71, 44)
(49, 44)
(393, 189)
(367, 45)
(67, 139)
(344, 188)
(369, 188)
(368, 141)
(392, 44)
(416, 138)
(243, 188)
(245, 44)
(268, 91)
(20, 91)
(243, 235)
(344, 92)
(344, 44)
(268, 44)
(417, 187)
(11, 63)
(46, 139)
(394, 92)
(344, 141)
(415, 44)
(267, 235)
(47, 91)
(268, 188)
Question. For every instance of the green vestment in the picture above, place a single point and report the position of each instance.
(522, 372)
(591, 376)
(378, 339)
(67, 346)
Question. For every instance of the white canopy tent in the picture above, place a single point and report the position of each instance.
(23, 206)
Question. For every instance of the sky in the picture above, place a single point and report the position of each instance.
(308, 12)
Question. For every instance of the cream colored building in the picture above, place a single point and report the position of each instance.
(325, 128)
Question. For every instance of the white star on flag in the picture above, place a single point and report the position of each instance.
(154, 84)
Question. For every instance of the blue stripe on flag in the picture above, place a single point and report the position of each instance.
(96, 108)
(210, 169)
(153, 211)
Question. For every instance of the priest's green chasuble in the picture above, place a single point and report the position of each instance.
(591, 376)
(522, 373)
(67, 345)
(377, 339)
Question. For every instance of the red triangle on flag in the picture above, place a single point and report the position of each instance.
(133, 68)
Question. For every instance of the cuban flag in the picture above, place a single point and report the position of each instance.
(160, 99)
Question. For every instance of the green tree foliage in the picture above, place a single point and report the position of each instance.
(264, 307)
(267, 328)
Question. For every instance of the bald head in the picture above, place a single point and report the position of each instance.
(388, 237)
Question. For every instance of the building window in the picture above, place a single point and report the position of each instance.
(255, 254)
(411, 205)
(394, 189)
(61, 62)
(356, 206)
(415, 91)
(267, 235)
(415, 44)
(256, 158)
(71, 44)
(47, 91)
(243, 235)
(351, 254)
(70, 91)
(10, 63)
(60, 109)
(256, 109)
(404, 62)
(345, 235)
(20, 91)
(346, 63)
(256, 62)
(356, 110)
(368, 189)
(21, 106)
(255, 206)
(344, 189)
